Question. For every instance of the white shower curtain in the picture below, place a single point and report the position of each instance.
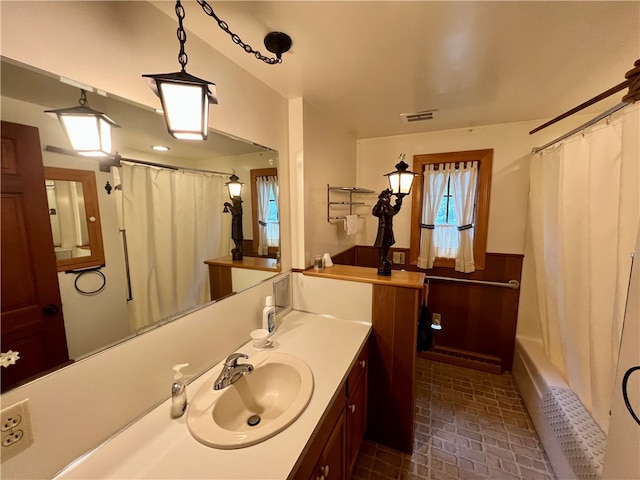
(174, 223)
(584, 212)
(434, 184)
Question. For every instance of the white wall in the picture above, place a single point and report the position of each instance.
(109, 45)
(511, 146)
(329, 159)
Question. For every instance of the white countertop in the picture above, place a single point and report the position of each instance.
(157, 447)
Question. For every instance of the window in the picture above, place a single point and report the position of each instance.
(264, 203)
(443, 178)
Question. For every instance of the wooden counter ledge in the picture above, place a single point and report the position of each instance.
(398, 278)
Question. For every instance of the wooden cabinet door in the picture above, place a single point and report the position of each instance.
(356, 413)
(331, 465)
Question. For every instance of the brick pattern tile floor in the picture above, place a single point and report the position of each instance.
(469, 425)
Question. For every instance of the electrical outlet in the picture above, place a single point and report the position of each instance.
(398, 258)
(15, 427)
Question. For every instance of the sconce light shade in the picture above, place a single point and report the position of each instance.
(234, 186)
(88, 130)
(185, 102)
(401, 180)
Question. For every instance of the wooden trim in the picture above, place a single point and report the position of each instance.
(247, 263)
(485, 160)
(398, 278)
(258, 172)
(464, 358)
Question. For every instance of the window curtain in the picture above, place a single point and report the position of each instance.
(464, 181)
(173, 221)
(583, 217)
(268, 231)
(434, 184)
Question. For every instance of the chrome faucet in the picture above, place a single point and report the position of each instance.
(231, 372)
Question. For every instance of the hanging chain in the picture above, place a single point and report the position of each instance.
(83, 97)
(182, 36)
(236, 39)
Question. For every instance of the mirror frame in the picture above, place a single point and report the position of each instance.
(88, 180)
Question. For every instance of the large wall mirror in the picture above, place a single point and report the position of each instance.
(160, 216)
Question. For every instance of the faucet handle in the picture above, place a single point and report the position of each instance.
(232, 360)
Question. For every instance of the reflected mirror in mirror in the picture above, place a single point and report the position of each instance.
(74, 215)
(160, 214)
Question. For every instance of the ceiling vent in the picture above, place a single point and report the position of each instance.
(419, 116)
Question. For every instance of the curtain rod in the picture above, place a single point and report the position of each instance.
(114, 161)
(172, 167)
(594, 120)
(582, 106)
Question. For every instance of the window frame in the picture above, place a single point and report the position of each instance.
(481, 223)
(260, 172)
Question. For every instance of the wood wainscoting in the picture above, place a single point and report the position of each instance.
(478, 321)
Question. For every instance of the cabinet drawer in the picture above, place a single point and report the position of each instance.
(359, 368)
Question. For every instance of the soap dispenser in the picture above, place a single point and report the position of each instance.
(178, 392)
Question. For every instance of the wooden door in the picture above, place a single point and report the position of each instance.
(31, 319)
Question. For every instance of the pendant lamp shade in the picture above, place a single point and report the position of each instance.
(88, 130)
(185, 102)
(401, 180)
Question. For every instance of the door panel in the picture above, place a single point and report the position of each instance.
(29, 274)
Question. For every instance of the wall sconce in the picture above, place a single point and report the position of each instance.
(400, 183)
(235, 208)
(88, 130)
(185, 99)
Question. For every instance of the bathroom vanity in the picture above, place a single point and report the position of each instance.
(324, 439)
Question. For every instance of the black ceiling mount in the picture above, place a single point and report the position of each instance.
(277, 42)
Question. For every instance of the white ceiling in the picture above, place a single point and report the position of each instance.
(363, 63)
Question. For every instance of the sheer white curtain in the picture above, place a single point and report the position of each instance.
(174, 223)
(584, 211)
(434, 184)
(464, 182)
(268, 231)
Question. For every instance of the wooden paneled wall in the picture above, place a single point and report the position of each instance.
(478, 321)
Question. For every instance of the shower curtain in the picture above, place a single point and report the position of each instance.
(173, 221)
(584, 212)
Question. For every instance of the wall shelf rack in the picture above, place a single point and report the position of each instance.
(350, 203)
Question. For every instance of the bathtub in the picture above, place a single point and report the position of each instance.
(573, 442)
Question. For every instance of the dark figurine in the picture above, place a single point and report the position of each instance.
(385, 212)
(236, 226)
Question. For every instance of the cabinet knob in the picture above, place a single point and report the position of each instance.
(352, 408)
(325, 471)
(363, 363)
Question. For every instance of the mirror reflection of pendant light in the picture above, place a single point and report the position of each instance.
(185, 98)
(401, 180)
(88, 130)
(234, 186)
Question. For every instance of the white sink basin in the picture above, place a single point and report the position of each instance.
(254, 408)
